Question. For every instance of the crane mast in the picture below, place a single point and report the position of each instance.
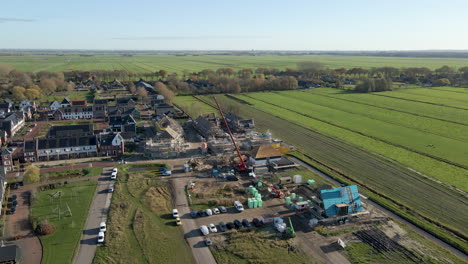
(242, 166)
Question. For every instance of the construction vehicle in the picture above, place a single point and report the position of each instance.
(290, 233)
(242, 167)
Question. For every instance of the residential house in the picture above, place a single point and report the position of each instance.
(66, 148)
(123, 123)
(6, 159)
(168, 144)
(125, 102)
(29, 151)
(111, 145)
(77, 112)
(6, 107)
(237, 124)
(12, 123)
(78, 103)
(70, 131)
(341, 201)
(54, 105)
(117, 85)
(100, 108)
(164, 109)
(145, 85)
(208, 126)
(65, 102)
(263, 155)
(157, 99)
(27, 103)
(166, 122)
(120, 110)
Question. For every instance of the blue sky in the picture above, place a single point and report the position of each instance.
(235, 25)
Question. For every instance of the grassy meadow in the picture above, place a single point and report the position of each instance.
(60, 246)
(150, 62)
(140, 227)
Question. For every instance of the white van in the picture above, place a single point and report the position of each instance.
(208, 212)
(238, 205)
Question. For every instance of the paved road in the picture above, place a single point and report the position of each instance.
(201, 253)
(393, 215)
(97, 214)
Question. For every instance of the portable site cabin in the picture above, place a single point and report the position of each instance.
(341, 201)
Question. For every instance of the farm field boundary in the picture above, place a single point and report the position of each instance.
(419, 101)
(366, 135)
(408, 189)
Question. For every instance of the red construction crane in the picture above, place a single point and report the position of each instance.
(242, 166)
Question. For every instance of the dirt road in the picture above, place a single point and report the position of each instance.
(97, 214)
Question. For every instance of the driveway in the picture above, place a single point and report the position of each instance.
(97, 214)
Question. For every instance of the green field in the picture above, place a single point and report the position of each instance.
(140, 227)
(60, 246)
(187, 102)
(150, 62)
(362, 158)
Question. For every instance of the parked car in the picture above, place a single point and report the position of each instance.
(113, 176)
(201, 213)
(208, 242)
(165, 171)
(222, 227)
(110, 190)
(246, 223)
(237, 224)
(257, 222)
(212, 228)
(178, 222)
(193, 214)
(232, 178)
(100, 238)
(102, 227)
(15, 186)
(208, 212)
(11, 210)
(115, 170)
(216, 211)
(14, 203)
(175, 213)
(204, 230)
(238, 205)
(13, 197)
(222, 209)
(230, 225)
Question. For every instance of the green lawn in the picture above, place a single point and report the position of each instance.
(140, 227)
(60, 246)
(87, 172)
(151, 62)
(187, 103)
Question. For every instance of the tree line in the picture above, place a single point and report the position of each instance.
(25, 85)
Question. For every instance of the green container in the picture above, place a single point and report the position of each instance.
(259, 184)
(293, 196)
(255, 203)
(250, 188)
(258, 196)
(260, 203)
(250, 203)
(288, 200)
(310, 182)
(309, 202)
(301, 199)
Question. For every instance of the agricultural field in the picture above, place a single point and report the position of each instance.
(190, 104)
(366, 160)
(59, 247)
(150, 62)
(140, 227)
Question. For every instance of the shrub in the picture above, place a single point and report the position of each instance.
(44, 228)
(85, 171)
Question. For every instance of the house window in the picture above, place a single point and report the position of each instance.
(7, 162)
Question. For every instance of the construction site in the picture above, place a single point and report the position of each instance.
(233, 163)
